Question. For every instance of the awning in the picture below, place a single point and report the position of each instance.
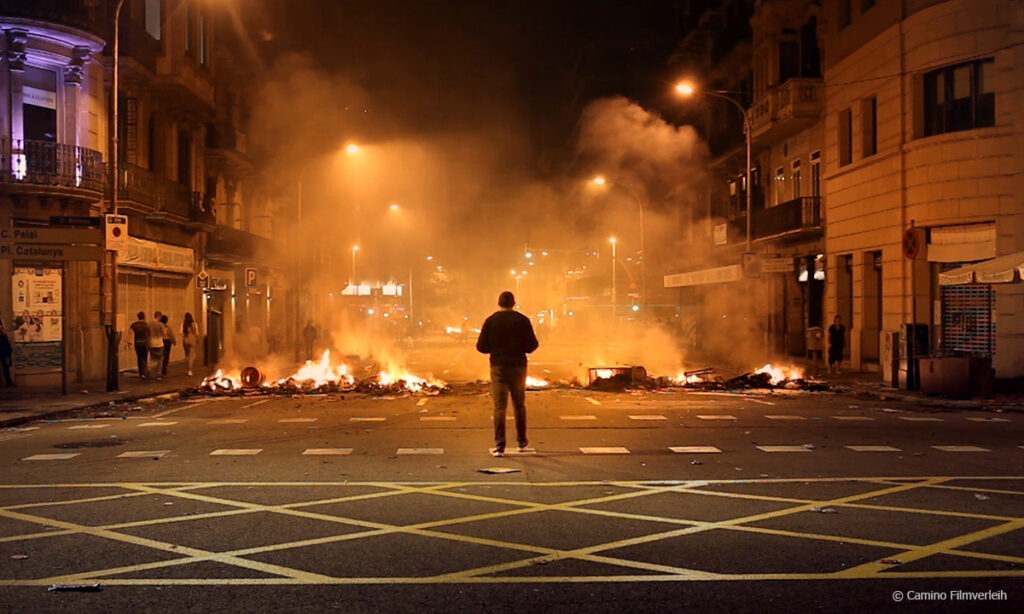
(1001, 270)
(717, 275)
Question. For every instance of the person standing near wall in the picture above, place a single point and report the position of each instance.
(170, 339)
(309, 336)
(140, 331)
(836, 345)
(189, 338)
(156, 345)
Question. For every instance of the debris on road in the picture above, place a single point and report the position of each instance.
(19, 557)
(891, 562)
(82, 588)
(981, 497)
(499, 470)
(825, 510)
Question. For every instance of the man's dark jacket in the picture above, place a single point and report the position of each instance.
(508, 337)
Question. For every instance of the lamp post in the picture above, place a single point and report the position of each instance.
(614, 241)
(355, 250)
(687, 89)
(600, 180)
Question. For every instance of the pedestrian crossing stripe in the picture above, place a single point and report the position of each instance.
(695, 449)
(228, 421)
(327, 452)
(920, 419)
(604, 450)
(436, 418)
(47, 457)
(415, 451)
(647, 417)
(88, 426)
(144, 424)
(366, 419)
(592, 400)
(287, 420)
(421, 402)
(961, 449)
(874, 449)
(783, 448)
(865, 418)
(144, 454)
(578, 417)
(716, 417)
(236, 452)
(254, 404)
(988, 419)
(784, 417)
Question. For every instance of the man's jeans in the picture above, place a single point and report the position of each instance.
(505, 382)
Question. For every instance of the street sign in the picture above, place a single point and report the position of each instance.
(76, 220)
(251, 277)
(911, 242)
(116, 231)
(202, 279)
(776, 265)
(51, 235)
(751, 265)
(43, 253)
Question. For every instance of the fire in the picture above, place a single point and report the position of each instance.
(534, 382)
(318, 374)
(398, 375)
(682, 378)
(780, 374)
(604, 373)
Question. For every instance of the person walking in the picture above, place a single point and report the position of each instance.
(189, 338)
(309, 335)
(507, 336)
(140, 332)
(836, 345)
(5, 357)
(170, 339)
(156, 345)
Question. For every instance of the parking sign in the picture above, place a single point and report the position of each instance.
(250, 277)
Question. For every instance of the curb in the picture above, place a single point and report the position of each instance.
(55, 413)
(926, 401)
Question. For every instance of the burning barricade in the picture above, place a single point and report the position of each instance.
(324, 377)
(767, 376)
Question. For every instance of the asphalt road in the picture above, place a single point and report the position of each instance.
(628, 502)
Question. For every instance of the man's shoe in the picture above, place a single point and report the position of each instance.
(495, 452)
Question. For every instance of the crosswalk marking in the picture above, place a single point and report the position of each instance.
(578, 417)
(783, 448)
(420, 451)
(647, 417)
(865, 418)
(920, 419)
(874, 449)
(228, 421)
(254, 404)
(695, 449)
(368, 419)
(236, 452)
(716, 417)
(327, 452)
(592, 400)
(437, 418)
(157, 424)
(421, 402)
(144, 454)
(88, 426)
(961, 449)
(46, 457)
(784, 417)
(988, 419)
(604, 450)
(287, 420)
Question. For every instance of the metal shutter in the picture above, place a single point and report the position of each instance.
(967, 325)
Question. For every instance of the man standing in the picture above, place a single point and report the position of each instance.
(836, 345)
(508, 337)
(309, 335)
(156, 345)
(140, 331)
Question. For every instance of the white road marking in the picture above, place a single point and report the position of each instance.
(961, 449)
(988, 419)
(852, 418)
(327, 452)
(254, 404)
(370, 419)
(286, 420)
(647, 417)
(874, 449)
(157, 424)
(437, 419)
(236, 452)
(592, 400)
(920, 419)
(784, 417)
(421, 402)
(578, 417)
(228, 421)
(716, 417)
(420, 451)
(171, 411)
(604, 450)
(695, 449)
(88, 426)
(46, 457)
(144, 454)
(783, 448)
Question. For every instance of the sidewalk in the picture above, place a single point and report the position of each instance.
(19, 405)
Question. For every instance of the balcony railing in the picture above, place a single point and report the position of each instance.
(791, 217)
(788, 108)
(159, 195)
(44, 163)
(239, 244)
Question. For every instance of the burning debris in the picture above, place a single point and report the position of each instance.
(767, 377)
(322, 377)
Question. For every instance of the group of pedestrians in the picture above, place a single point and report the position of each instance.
(154, 339)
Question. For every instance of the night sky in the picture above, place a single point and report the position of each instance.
(440, 66)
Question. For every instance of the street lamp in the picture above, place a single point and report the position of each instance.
(613, 241)
(600, 180)
(686, 88)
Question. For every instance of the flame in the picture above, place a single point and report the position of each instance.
(414, 383)
(780, 374)
(682, 378)
(452, 330)
(535, 382)
(604, 373)
(318, 374)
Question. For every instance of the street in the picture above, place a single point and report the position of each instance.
(628, 502)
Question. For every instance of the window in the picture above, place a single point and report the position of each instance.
(869, 126)
(845, 137)
(796, 179)
(780, 186)
(154, 11)
(843, 17)
(816, 173)
(204, 48)
(959, 97)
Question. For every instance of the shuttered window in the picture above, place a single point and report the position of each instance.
(967, 325)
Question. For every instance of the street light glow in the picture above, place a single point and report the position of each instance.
(612, 240)
(394, 207)
(599, 180)
(352, 148)
(528, 255)
(685, 88)
(355, 248)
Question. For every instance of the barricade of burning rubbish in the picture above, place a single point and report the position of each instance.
(350, 375)
(621, 377)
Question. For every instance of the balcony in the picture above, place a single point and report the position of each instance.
(236, 246)
(787, 109)
(794, 218)
(47, 168)
(154, 195)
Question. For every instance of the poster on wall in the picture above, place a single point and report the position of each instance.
(37, 319)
